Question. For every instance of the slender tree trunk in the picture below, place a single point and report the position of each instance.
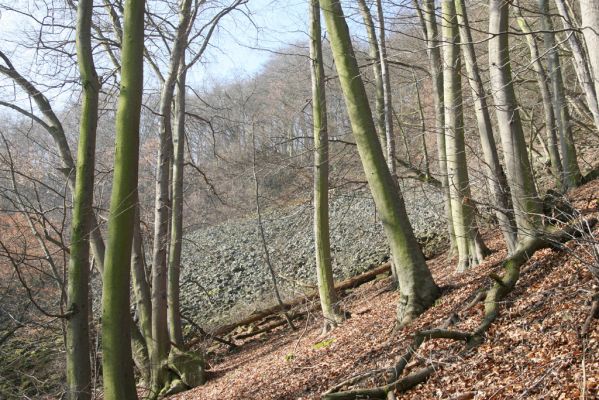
(542, 79)
(143, 301)
(589, 10)
(78, 340)
(160, 334)
(374, 54)
(418, 289)
(429, 24)
(464, 223)
(174, 308)
(324, 269)
(494, 173)
(527, 206)
(570, 170)
(119, 382)
(426, 168)
(387, 96)
(580, 62)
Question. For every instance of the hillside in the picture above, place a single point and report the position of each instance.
(533, 350)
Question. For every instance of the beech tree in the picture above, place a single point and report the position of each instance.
(418, 289)
(527, 205)
(322, 246)
(78, 340)
(471, 249)
(119, 381)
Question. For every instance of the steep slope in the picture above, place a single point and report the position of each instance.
(533, 350)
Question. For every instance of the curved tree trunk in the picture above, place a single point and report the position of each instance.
(418, 289)
(78, 349)
(119, 382)
(589, 10)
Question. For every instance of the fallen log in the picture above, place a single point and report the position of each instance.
(341, 286)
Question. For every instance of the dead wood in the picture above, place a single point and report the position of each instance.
(553, 238)
(592, 315)
(344, 285)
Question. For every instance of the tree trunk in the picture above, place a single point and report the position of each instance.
(429, 26)
(160, 335)
(374, 54)
(580, 63)
(463, 213)
(571, 172)
(495, 175)
(324, 269)
(418, 289)
(174, 270)
(589, 10)
(527, 206)
(78, 340)
(119, 382)
(387, 97)
(550, 127)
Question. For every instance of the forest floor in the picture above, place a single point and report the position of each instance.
(533, 350)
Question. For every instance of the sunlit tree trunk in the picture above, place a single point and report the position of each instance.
(589, 10)
(543, 81)
(494, 173)
(119, 382)
(375, 57)
(387, 96)
(418, 289)
(527, 206)
(580, 60)
(570, 171)
(174, 269)
(470, 253)
(324, 268)
(162, 212)
(78, 340)
(429, 26)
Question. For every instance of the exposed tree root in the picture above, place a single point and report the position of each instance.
(492, 298)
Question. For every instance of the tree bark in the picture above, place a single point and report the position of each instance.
(527, 206)
(570, 171)
(589, 10)
(470, 253)
(78, 340)
(322, 246)
(580, 61)
(418, 289)
(429, 26)
(495, 175)
(119, 382)
(374, 54)
(542, 80)
(174, 269)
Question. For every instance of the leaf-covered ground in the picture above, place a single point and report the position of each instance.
(532, 351)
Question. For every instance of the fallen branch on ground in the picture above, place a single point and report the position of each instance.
(499, 290)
